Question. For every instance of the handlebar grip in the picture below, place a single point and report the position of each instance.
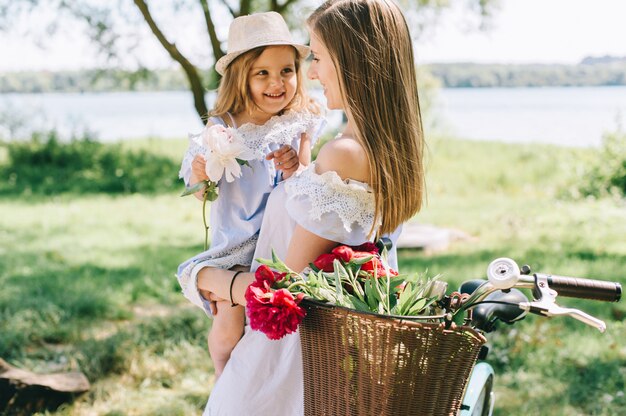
(574, 287)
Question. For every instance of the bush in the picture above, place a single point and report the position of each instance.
(45, 165)
(607, 173)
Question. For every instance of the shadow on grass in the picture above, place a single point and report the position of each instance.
(101, 357)
(597, 387)
(47, 301)
(567, 387)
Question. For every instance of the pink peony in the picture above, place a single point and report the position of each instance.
(376, 265)
(266, 277)
(343, 253)
(325, 262)
(368, 247)
(275, 313)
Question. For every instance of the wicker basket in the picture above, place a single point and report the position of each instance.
(357, 363)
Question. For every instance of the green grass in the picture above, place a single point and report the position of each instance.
(88, 283)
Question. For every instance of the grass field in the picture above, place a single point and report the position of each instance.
(88, 283)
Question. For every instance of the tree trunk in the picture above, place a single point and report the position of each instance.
(195, 81)
(24, 393)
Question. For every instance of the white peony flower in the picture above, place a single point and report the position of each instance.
(224, 147)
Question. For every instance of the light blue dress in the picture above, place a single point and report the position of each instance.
(236, 215)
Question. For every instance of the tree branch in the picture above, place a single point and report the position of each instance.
(281, 8)
(215, 42)
(230, 9)
(193, 77)
(244, 7)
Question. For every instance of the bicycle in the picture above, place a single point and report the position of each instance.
(362, 363)
(499, 299)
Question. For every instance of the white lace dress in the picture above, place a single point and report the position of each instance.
(264, 377)
(236, 215)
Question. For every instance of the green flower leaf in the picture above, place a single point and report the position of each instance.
(242, 162)
(190, 190)
(362, 260)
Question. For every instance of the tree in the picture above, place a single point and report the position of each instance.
(107, 25)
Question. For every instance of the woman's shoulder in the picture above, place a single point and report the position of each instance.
(345, 156)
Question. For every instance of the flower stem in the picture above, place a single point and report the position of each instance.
(206, 226)
(302, 284)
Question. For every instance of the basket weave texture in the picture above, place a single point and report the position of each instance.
(363, 364)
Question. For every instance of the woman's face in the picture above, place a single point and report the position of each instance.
(272, 79)
(323, 70)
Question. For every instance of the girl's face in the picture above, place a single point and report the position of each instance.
(272, 80)
(323, 70)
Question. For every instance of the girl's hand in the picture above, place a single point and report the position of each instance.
(285, 159)
(198, 166)
(198, 174)
(215, 302)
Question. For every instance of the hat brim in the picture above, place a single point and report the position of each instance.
(224, 61)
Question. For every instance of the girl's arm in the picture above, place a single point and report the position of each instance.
(288, 161)
(304, 155)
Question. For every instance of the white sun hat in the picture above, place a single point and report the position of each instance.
(259, 29)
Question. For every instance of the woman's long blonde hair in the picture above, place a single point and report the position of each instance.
(233, 95)
(370, 45)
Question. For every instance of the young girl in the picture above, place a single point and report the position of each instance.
(261, 96)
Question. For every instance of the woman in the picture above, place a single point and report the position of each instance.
(365, 182)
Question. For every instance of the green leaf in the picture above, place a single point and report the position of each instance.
(190, 190)
(404, 300)
(371, 295)
(361, 261)
(396, 281)
(276, 264)
(459, 317)
(392, 301)
(359, 305)
(338, 286)
(417, 307)
(212, 193)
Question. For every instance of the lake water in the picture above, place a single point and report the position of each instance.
(567, 116)
(572, 116)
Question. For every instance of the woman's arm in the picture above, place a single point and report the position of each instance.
(304, 247)
(344, 157)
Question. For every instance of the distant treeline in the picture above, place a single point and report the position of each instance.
(589, 72)
(603, 71)
(92, 81)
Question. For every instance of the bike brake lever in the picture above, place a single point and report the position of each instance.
(552, 309)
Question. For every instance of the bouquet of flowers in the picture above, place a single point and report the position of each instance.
(225, 153)
(354, 277)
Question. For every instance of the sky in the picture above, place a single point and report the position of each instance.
(532, 31)
(520, 31)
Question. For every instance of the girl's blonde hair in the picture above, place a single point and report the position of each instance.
(370, 45)
(234, 97)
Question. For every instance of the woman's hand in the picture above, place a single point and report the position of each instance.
(285, 159)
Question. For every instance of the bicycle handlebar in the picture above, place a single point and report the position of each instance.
(574, 287)
(504, 274)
